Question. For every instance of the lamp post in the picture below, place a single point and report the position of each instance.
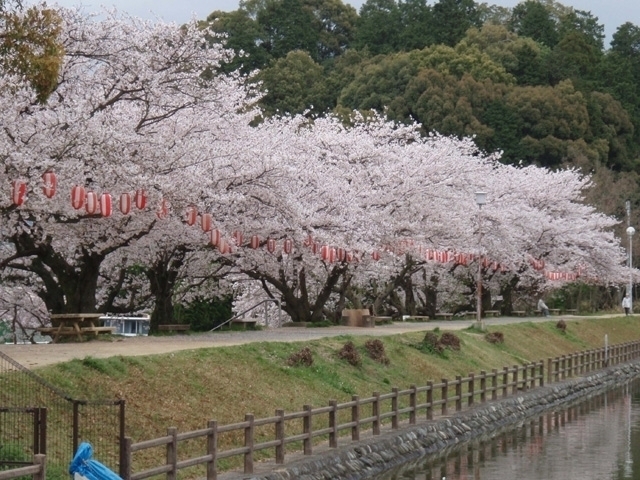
(630, 232)
(481, 199)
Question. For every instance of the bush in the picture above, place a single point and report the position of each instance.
(562, 326)
(375, 349)
(301, 358)
(494, 337)
(450, 340)
(431, 343)
(350, 354)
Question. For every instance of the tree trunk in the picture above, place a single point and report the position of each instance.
(162, 276)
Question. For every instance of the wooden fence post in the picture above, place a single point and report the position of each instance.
(248, 442)
(394, 408)
(483, 386)
(494, 384)
(445, 395)
(505, 381)
(429, 400)
(514, 387)
(280, 436)
(375, 413)
(355, 418)
(212, 449)
(172, 453)
(541, 374)
(41, 460)
(333, 424)
(471, 388)
(126, 456)
(458, 393)
(525, 376)
(413, 401)
(307, 426)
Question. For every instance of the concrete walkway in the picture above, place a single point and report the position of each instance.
(46, 354)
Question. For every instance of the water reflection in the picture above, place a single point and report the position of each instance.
(597, 439)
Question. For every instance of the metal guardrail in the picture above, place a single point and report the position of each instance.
(250, 309)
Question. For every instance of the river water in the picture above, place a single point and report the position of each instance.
(598, 439)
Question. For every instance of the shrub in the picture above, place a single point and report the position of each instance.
(301, 358)
(562, 325)
(494, 337)
(375, 349)
(350, 354)
(450, 340)
(431, 343)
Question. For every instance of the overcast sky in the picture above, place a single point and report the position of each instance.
(611, 13)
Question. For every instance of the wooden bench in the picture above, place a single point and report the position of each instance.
(382, 320)
(492, 313)
(245, 322)
(183, 327)
(572, 311)
(416, 318)
(444, 315)
(519, 313)
(554, 311)
(98, 330)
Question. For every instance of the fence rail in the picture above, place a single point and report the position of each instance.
(368, 413)
(37, 470)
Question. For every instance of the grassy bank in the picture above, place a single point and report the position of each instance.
(187, 388)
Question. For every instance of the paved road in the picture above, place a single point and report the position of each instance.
(47, 354)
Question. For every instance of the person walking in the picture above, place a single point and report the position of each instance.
(626, 304)
(543, 307)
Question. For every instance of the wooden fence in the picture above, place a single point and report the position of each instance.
(367, 413)
(37, 470)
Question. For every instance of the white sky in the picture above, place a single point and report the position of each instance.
(611, 13)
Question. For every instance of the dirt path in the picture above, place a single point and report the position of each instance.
(46, 354)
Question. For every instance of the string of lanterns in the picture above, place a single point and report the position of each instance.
(102, 204)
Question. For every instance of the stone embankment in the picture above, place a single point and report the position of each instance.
(381, 453)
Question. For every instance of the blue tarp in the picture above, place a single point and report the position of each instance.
(84, 465)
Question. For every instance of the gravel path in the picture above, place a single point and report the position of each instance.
(47, 354)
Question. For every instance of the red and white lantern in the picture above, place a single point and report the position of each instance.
(271, 245)
(78, 197)
(91, 203)
(315, 248)
(224, 247)
(49, 184)
(375, 255)
(206, 221)
(342, 254)
(140, 199)
(238, 238)
(163, 209)
(215, 237)
(191, 215)
(18, 192)
(287, 247)
(105, 205)
(125, 203)
(255, 241)
(332, 255)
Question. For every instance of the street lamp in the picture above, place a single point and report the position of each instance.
(481, 199)
(630, 233)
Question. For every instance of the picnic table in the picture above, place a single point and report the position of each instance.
(76, 325)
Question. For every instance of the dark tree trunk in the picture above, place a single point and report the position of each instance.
(162, 276)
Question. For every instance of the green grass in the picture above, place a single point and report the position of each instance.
(185, 389)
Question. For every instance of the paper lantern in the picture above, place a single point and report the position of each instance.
(315, 248)
(332, 255)
(163, 209)
(238, 238)
(215, 237)
(91, 204)
(224, 247)
(191, 215)
(325, 252)
(349, 257)
(206, 221)
(271, 245)
(375, 255)
(125, 203)
(18, 192)
(78, 197)
(105, 205)
(255, 241)
(50, 183)
(140, 199)
(287, 247)
(342, 254)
